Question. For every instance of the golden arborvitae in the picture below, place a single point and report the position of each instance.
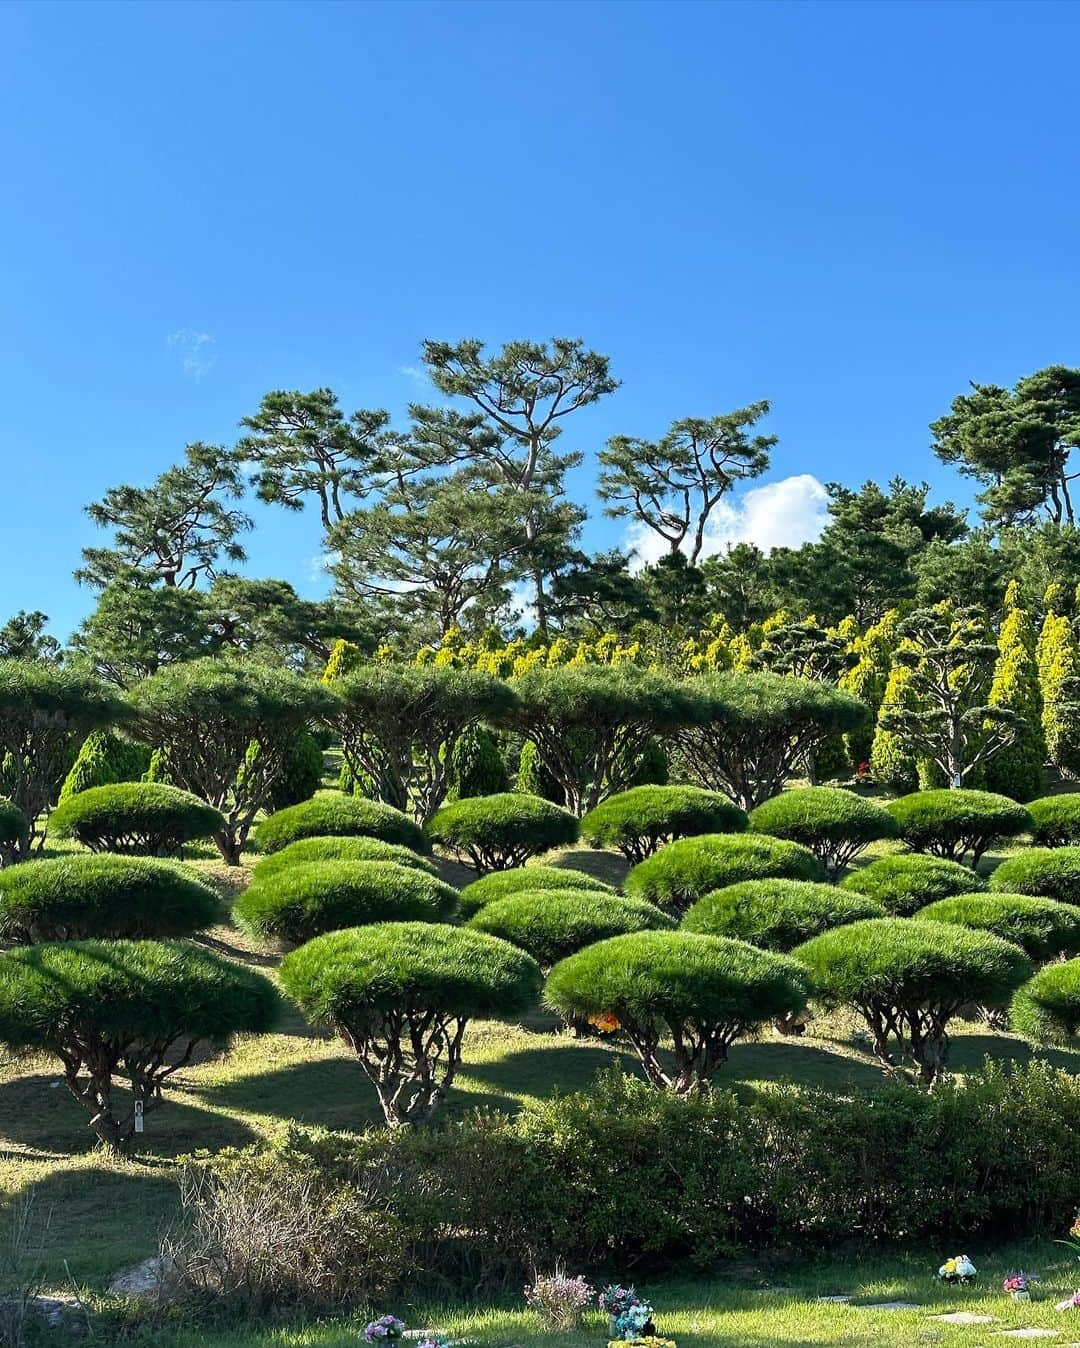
(1059, 683)
(1017, 770)
(345, 656)
(890, 762)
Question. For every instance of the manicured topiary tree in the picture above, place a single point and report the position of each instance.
(700, 992)
(105, 758)
(81, 896)
(132, 1009)
(777, 914)
(640, 821)
(679, 874)
(1055, 820)
(13, 829)
(305, 850)
(957, 825)
(300, 774)
(835, 824)
(333, 815)
(299, 902)
(1047, 872)
(1042, 928)
(477, 766)
(495, 833)
(553, 923)
(908, 978)
(904, 882)
(401, 994)
(501, 884)
(1047, 1008)
(145, 818)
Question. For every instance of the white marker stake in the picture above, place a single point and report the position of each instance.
(139, 1125)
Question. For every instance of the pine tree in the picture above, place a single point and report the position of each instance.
(1017, 770)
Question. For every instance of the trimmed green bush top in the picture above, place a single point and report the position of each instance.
(140, 817)
(346, 976)
(553, 923)
(501, 884)
(955, 824)
(75, 897)
(1048, 872)
(303, 901)
(332, 814)
(1048, 1007)
(340, 849)
(1042, 928)
(643, 819)
(495, 833)
(681, 873)
(1056, 820)
(835, 824)
(777, 914)
(13, 823)
(907, 881)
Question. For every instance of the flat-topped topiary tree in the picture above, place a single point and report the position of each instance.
(835, 824)
(293, 905)
(501, 884)
(958, 825)
(331, 814)
(80, 896)
(1055, 820)
(776, 914)
(681, 873)
(401, 994)
(304, 850)
(908, 978)
(143, 818)
(904, 882)
(1042, 928)
(496, 833)
(553, 923)
(133, 1009)
(699, 993)
(1046, 872)
(1047, 1009)
(13, 829)
(642, 820)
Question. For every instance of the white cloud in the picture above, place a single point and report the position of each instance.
(782, 514)
(196, 350)
(416, 375)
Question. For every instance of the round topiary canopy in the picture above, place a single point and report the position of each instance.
(679, 874)
(1056, 820)
(1046, 872)
(641, 820)
(1047, 1008)
(502, 831)
(777, 914)
(148, 817)
(333, 814)
(1042, 928)
(341, 849)
(957, 824)
(904, 882)
(501, 884)
(835, 824)
(553, 923)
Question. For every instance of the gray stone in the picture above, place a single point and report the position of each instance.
(146, 1279)
(834, 1301)
(1028, 1333)
(965, 1318)
(776, 1291)
(889, 1306)
(64, 1313)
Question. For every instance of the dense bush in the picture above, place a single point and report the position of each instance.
(501, 884)
(703, 992)
(1055, 820)
(1042, 928)
(496, 833)
(332, 815)
(477, 767)
(682, 872)
(553, 923)
(401, 995)
(103, 759)
(341, 849)
(13, 828)
(300, 774)
(299, 902)
(1048, 1007)
(957, 824)
(140, 817)
(73, 897)
(776, 914)
(835, 824)
(1047, 872)
(905, 881)
(640, 821)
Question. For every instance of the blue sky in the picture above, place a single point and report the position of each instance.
(850, 209)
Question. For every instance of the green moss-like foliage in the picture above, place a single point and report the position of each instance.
(553, 923)
(835, 824)
(495, 833)
(300, 774)
(75, 897)
(300, 902)
(1047, 872)
(1047, 1008)
(105, 758)
(477, 765)
(907, 881)
(13, 827)
(341, 849)
(1042, 928)
(1056, 820)
(681, 873)
(640, 821)
(144, 818)
(331, 814)
(958, 825)
(501, 884)
(777, 914)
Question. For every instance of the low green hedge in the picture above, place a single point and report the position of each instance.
(332, 814)
(341, 849)
(1047, 1008)
(681, 873)
(958, 825)
(907, 881)
(496, 833)
(144, 818)
(640, 821)
(835, 824)
(552, 923)
(501, 884)
(777, 914)
(1056, 820)
(1047, 872)
(1042, 928)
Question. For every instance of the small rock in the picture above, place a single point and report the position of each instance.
(1028, 1333)
(64, 1313)
(889, 1306)
(965, 1318)
(776, 1292)
(145, 1279)
(833, 1301)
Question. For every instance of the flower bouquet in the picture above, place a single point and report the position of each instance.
(629, 1316)
(1018, 1285)
(958, 1271)
(386, 1329)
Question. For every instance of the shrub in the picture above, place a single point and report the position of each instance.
(139, 1009)
(301, 772)
(103, 759)
(1047, 1008)
(553, 923)
(905, 882)
(299, 902)
(1055, 820)
(139, 817)
(73, 897)
(1045, 872)
(776, 914)
(645, 818)
(907, 979)
(401, 994)
(13, 828)
(955, 824)
(835, 824)
(341, 849)
(679, 874)
(477, 767)
(501, 884)
(1042, 928)
(702, 991)
(332, 815)
(495, 833)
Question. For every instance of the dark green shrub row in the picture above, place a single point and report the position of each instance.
(643, 819)
(145, 818)
(341, 849)
(496, 833)
(332, 814)
(905, 882)
(501, 884)
(684, 871)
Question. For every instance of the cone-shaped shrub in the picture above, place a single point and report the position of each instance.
(75, 897)
(1056, 820)
(680, 874)
(703, 992)
(293, 905)
(835, 824)
(501, 884)
(401, 995)
(144, 818)
(907, 978)
(958, 825)
(13, 828)
(135, 1009)
(553, 923)
(334, 815)
(496, 833)
(777, 914)
(640, 821)
(1047, 1008)
(341, 849)
(1047, 872)
(1042, 928)
(907, 881)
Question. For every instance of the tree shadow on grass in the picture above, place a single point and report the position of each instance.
(968, 1051)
